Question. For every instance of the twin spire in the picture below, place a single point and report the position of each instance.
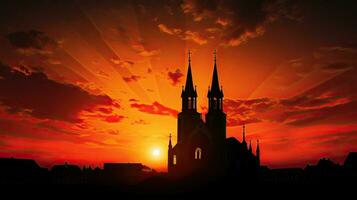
(250, 149)
(190, 90)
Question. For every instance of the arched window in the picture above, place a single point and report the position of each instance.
(215, 103)
(189, 103)
(174, 161)
(198, 153)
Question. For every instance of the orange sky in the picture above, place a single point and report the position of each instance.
(89, 83)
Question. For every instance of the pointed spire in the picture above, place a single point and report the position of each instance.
(215, 57)
(257, 153)
(250, 146)
(189, 82)
(215, 83)
(215, 89)
(243, 132)
(170, 145)
(189, 57)
(244, 143)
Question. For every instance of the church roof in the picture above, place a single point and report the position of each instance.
(233, 141)
(16, 163)
(351, 160)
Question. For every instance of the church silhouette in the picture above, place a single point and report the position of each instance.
(202, 147)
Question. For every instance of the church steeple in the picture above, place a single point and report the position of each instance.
(215, 83)
(189, 93)
(215, 93)
(170, 144)
(250, 146)
(189, 82)
(244, 142)
(258, 153)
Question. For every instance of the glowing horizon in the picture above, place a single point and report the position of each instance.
(102, 83)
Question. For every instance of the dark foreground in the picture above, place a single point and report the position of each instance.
(326, 179)
(161, 186)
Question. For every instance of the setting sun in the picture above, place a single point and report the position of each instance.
(156, 152)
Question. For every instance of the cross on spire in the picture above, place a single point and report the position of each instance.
(215, 90)
(189, 89)
(170, 145)
(189, 56)
(243, 132)
(215, 56)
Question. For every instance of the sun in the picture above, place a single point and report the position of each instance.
(156, 152)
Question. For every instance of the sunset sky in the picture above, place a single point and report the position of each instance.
(89, 82)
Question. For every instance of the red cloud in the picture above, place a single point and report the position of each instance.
(133, 100)
(175, 77)
(155, 108)
(105, 110)
(114, 118)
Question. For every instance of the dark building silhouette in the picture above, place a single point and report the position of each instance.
(66, 174)
(351, 161)
(126, 172)
(14, 170)
(202, 146)
(126, 168)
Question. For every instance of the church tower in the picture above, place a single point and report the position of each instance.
(169, 155)
(244, 143)
(216, 122)
(188, 117)
(215, 117)
(258, 153)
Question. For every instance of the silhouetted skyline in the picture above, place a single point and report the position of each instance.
(91, 82)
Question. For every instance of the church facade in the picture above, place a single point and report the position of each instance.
(202, 146)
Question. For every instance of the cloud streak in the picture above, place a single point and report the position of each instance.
(187, 35)
(35, 94)
(155, 109)
(240, 20)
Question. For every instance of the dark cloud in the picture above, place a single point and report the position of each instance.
(31, 40)
(137, 44)
(305, 101)
(245, 111)
(140, 122)
(113, 132)
(347, 138)
(175, 77)
(337, 66)
(155, 108)
(37, 95)
(240, 20)
(133, 100)
(331, 102)
(188, 35)
(343, 113)
(132, 78)
(122, 63)
(124, 35)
